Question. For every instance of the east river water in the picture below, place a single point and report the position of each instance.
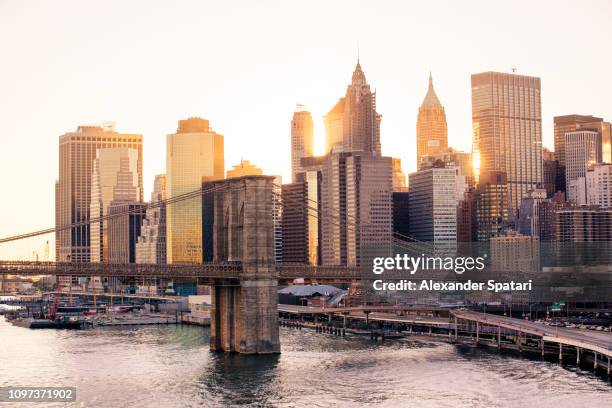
(171, 366)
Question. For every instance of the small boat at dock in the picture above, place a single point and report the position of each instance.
(60, 323)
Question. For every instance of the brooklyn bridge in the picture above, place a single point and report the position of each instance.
(243, 274)
(244, 277)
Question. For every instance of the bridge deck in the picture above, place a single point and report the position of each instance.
(211, 270)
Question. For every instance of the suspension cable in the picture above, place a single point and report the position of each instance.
(155, 204)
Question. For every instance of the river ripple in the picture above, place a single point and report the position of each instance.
(171, 366)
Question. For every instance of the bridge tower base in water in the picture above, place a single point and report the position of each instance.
(244, 314)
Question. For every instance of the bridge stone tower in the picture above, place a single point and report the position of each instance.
(244, 315)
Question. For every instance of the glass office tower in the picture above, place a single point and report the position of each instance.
(507, 131)
(193, 154)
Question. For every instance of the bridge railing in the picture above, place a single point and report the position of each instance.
(212, 270)
(223, 270)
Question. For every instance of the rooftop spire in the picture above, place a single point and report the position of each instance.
(431, 99)
(358, 75)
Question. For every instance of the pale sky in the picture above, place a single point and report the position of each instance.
(244, 65)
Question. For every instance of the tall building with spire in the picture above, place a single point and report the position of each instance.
(432, 132)
(353, 125)
(302, 139)
(350, 186)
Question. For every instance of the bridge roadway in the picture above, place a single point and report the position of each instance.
(600, 342)
(208, 270)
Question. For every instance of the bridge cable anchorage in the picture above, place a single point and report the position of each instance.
(169, 201)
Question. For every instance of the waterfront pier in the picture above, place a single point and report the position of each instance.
(463, 326)
(536, 337)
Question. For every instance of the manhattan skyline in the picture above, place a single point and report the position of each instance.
(140, 71)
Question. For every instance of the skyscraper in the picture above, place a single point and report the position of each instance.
(355, 180)
(193, 154)
(553, 174)
(491, 205)
(356, 200)
(401, 213)
(433, 205)
(301, 229)
(507, 127)
(432, 133)
(583, 224)
(529, 214)
(466, 217)
(77, 151)
(571, 123)
(123, 230)
(451, 157)
(599, 185)
(399, 178)
(355, 205)
(277, 213)
(302, 139)
(604, 129)
(547, 210)
(582, 150)
(353, 123)
(605, 132)
(114, 178)
(151, 245)
(57, 220)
